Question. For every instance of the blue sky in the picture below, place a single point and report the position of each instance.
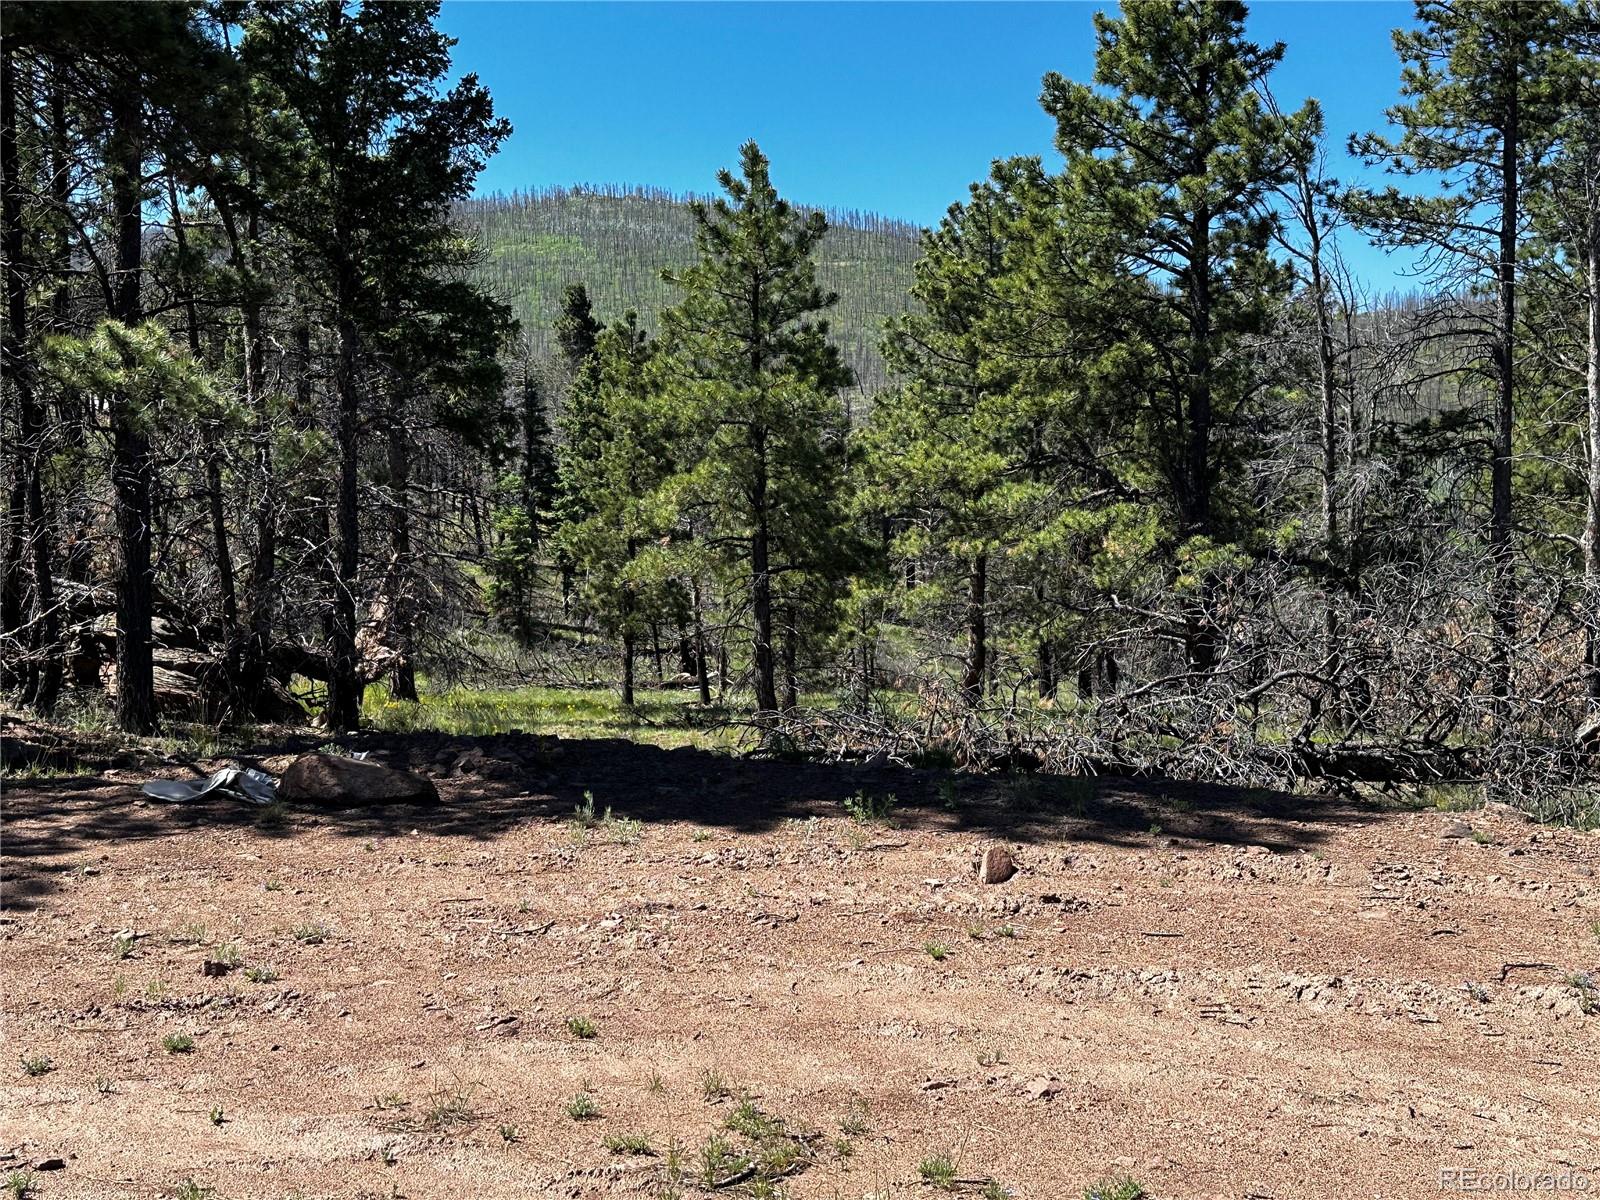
(890, 107)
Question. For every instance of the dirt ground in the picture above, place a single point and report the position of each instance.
(1213, 993)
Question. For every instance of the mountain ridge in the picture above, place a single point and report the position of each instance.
(617, 239)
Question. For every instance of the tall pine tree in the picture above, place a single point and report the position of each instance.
(757, 384)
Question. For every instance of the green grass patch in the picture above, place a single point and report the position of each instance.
(661, 717)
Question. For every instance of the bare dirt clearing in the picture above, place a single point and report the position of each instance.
(1218, 994)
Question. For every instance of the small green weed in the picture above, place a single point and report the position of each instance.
(628, 1143)
(36, 1064)
(938, 1171)
(870, 810)
(1115, 1188)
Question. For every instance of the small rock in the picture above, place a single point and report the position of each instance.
(1043, 1088)
(997, 865)
(1455, 829)
(50, 1164)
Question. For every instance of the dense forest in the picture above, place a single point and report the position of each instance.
(1118, 469)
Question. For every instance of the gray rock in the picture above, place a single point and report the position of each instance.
(335, 781)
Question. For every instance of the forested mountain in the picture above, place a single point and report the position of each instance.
(617, 241)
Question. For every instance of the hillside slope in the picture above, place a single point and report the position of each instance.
(616, 242)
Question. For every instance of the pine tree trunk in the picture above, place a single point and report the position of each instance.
(214, 498)
(45, 657)
(627, 665)
(761, 589)
(402, 612)
(1200, 632)
(1502, 591)
(977, 630)
(132, 467)
(701, 676)
(263, 567)
(791, 685)
(344, 684)
(1591, 528)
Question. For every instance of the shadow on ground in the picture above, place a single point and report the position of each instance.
(495, 783)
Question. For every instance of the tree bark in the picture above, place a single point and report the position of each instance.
(761, 586)
(402, 610)
(1502, 589)
(1591, 527)
(701, 677)
(344, 688)
(791, 684)
(132, 467)
(977, 660)
(44, 669)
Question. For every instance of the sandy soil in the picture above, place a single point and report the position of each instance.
(1217, 994)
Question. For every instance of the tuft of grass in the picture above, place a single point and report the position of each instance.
(189, 1189)
(628, 1143)
(1115, 1188)
(1483, 837)
(1005, 931)
(582, 1028)
(105, 1085)
(720, 1160)
(993, 1189)
(272, 816)
(855, 1122)
(261, 974)
(228, 954)
(713, 1086)
(938, 1171)
(177, 1043)
(122, 946)
(510, 1135)
(36, 1064)
(447, 1110)
(311, 934)
(216, 1115)
(870, 810)
(193, 934)
(583, 1107)
(20, 1184)
(623, 831)
(936, 951)
(749, 1121)
(273, 885)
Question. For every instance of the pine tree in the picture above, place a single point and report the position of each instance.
(946, 454)
(376, 156)
(626, 447)
(1481, 105)
(1173, 160)
(756, 384)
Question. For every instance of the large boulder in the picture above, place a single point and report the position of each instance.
(339, 782)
